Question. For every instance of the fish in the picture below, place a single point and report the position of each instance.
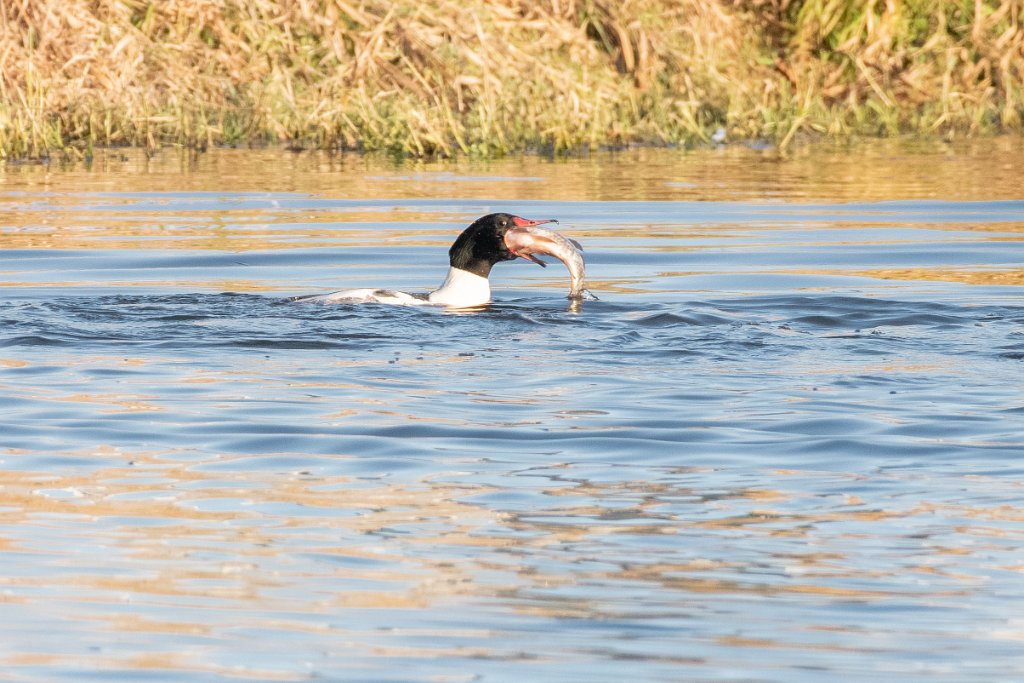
(525, 241)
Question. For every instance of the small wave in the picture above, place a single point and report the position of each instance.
(31, 340)
(669, 319)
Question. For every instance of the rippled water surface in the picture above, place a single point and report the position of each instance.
(785, 445)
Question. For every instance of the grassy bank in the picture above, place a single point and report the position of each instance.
(500, 76)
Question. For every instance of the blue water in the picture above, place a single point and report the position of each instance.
(784, 445)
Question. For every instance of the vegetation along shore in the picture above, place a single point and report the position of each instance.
(500, 76)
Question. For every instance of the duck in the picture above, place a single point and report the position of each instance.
(470, 259)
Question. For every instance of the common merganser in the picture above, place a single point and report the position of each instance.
(471, 257)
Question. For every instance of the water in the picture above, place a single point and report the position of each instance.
(784, 445)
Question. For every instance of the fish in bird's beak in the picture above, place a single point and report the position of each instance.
(526, 239)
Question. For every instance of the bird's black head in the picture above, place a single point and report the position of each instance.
(482, 244)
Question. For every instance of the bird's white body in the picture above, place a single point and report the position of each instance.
(460, 289)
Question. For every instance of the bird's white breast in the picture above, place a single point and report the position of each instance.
(462, 289)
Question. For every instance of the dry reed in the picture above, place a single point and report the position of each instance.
(497, 76)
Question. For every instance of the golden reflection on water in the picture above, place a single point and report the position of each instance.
(969, 277)
(150, 661)
(426, 544)
(67, 225)
(875, 170)
(985, 276)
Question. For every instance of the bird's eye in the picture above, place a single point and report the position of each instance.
(502, 222)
